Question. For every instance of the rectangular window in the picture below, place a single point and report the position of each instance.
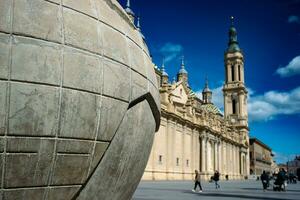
(187, 163)
(239, 70)
(232, 73)
(233, 106)
(160, 159)
(177, 161)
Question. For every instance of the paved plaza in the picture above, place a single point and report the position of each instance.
(230, 190)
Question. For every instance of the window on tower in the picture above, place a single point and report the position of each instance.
(233, 106)
(239, 69)
(232, 73)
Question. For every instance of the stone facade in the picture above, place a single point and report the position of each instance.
(293, 166)
(261, 158)
(79, 101)
(194, 134)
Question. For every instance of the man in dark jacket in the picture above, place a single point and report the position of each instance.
(216, 179)
(265, 180)
(197, 181)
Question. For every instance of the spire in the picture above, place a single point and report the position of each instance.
(232, 20)
(182, 69)
(206, 93)
(206, 88)
(233, 44)
(138, 25)
(174, 80)
(164, 73)
(129, 11)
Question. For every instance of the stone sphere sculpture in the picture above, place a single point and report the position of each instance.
(79, 101)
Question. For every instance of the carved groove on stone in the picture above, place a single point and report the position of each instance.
(154, 108)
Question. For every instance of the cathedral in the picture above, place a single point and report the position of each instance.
(194, 134)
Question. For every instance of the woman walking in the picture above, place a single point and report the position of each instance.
(197, 181)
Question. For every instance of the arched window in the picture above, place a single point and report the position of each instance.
(232, 73)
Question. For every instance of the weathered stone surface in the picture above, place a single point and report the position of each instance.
(74, 146)
(33, 110)
(99, 151)
(5, 15)
(78, 114)
(17, 194)
(62, 193)
(114, 44)
(88, 37)
(36, 61)
(28, 164)
(68, 70)
(70, 169)
(32, 18)
(3, 89)
(150, 71)
(4, 54)
(85, 6)
(112, 112)
(128, 145)
(116, 80)
(139, 85)
(107, 11)
(137, 58)
(82, 71)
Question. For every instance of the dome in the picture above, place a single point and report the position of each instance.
(212, 109)
(182, 71)
(82, 100)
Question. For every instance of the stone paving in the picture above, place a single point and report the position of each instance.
(230, 190)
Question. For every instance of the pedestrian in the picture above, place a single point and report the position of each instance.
(216, 179)
(265, 180)
(197, 181)
(281, 179)
(226, 176)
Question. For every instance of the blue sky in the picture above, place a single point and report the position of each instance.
(269, 35)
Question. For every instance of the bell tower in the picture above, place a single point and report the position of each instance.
(234, 89)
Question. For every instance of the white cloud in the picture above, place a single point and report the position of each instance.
(273, 103)
(171, 51)
(266, 106)
(294, 19)
(292, 68)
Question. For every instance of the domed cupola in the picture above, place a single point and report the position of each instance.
(206, 93)
(182, 74)
(165, 76)
(233, 45)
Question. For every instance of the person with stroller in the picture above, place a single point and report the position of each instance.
(279, 183)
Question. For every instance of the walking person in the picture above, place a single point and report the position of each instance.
(265, 180)
(197, 181)
(216, 179)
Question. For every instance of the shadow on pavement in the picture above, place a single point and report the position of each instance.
(240, 196)
(270, 190)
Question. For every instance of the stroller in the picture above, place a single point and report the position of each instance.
(278, 185)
